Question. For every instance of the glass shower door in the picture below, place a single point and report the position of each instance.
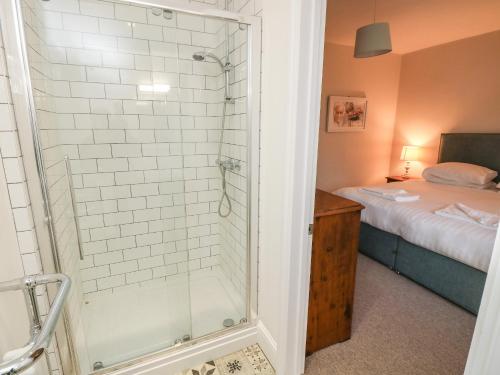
(106, 85)
(148, 106)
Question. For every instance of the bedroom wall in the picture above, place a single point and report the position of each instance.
(453, 87)
(358, 158)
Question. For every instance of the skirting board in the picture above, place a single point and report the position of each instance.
(267, 343)
(178, 360)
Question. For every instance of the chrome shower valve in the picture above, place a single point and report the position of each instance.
(229, 164)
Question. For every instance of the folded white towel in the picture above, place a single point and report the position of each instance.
(384, 191)
(463, 212)
(397, 195)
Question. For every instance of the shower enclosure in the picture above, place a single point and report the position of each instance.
(144, 123)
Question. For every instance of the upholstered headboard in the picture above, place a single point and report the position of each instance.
(475, 148)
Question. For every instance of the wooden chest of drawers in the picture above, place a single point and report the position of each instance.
(333, 270)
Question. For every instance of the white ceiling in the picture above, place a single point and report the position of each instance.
(415, 24)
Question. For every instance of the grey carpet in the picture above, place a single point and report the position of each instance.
(398, 328)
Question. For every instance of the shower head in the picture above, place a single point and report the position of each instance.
(202, 56)
(199, 56)
(226, 68)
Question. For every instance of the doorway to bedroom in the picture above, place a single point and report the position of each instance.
(407, 202)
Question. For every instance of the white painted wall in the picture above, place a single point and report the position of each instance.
(292, 64)
(275, 128)
(293, 35)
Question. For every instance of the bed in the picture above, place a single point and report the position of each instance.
(447, 256)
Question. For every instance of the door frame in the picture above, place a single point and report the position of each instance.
(484, 353)
(307, 44)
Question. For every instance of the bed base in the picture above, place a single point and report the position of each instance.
(453, 280)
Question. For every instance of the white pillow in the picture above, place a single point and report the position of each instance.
(463, 174)
(437, 180)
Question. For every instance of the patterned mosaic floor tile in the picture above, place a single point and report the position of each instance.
(258, 360)
(249, 361)
(207, 368)
(235, 364)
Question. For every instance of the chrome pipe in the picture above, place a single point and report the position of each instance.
(40, 339)
(36, 323)
(227, 91)
(69, 175)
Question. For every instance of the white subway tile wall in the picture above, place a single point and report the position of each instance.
(86, 62)
(233, 230)
(143, 160)
(86, 59)
(20, 204)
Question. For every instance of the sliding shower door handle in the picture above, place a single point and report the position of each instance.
(69, 175)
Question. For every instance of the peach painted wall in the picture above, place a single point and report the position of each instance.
(453, 87)
(358, 158)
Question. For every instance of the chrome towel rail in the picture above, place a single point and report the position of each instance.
(69, 174)
(40, 335)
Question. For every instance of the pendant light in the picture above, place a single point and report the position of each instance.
(374, 39)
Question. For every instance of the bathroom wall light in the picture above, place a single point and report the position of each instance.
(157, 87)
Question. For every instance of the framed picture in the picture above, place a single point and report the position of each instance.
(346, 114)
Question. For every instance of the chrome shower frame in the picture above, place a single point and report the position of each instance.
(226, 336)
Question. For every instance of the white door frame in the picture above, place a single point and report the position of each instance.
(484, 354)
(307, 44)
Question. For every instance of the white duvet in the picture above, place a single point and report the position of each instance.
(417, 223)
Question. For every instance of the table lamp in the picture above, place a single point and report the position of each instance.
(409, 154)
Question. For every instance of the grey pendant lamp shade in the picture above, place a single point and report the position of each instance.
(373, 40)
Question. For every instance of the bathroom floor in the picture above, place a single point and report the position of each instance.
(249, 361)
(134, 322)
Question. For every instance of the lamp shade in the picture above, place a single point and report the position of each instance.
(410, 153)
(373, 40)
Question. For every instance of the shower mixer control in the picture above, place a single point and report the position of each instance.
(229, 164)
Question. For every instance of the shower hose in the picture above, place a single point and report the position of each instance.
(223, 170)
